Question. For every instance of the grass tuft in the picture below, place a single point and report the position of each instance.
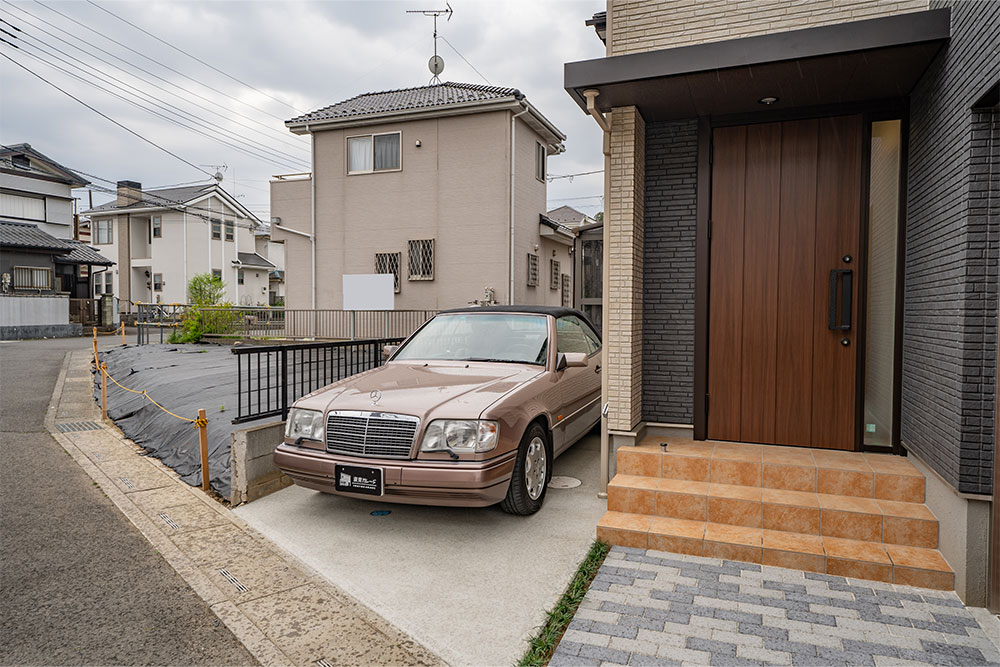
(544, 642)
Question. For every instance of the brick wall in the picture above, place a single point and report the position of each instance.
(646, 25)
(625, 255)
(949, 329)
(668, 281)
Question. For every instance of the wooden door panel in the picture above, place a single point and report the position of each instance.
(760, 282)
(838, 203)
(796, 269)
(726, 285)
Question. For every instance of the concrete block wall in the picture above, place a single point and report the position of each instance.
(251, 465)
(669, 272)
(949, 328)
(637, 26)
(623, 294)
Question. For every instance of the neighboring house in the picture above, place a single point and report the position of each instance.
(569, 216)
(442, 186)
(36, 189)
(41, 280)
(274, 252)
(162, 238)
(829, 170)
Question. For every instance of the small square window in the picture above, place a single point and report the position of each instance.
(540, 155)
(157, 227)
(229, 230)
(217, 273)
(157, 282)
(388, 262)
(553, 274)
(216, 229)
(421, 256)
(532, 270)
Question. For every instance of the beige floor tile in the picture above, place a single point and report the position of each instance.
(259, 575)
(140, 474)
(219, 545)
(186, 518)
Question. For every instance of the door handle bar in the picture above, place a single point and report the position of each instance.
(846, 279)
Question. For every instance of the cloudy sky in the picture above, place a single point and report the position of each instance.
(272, 60)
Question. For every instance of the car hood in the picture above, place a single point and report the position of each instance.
(450, 390)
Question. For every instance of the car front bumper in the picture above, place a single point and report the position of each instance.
(462, 484)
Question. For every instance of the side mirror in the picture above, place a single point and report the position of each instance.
(389, 350)
(566, 360)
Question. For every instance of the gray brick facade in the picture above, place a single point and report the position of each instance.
(949, 330)
(668, 284)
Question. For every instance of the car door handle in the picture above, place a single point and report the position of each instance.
(597, 368)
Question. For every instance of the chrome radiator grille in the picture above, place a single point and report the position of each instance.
(376, 434)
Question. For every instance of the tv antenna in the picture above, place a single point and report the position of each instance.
(436, 63)
(219, 169)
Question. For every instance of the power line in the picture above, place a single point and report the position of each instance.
(105, 116)
(250, 150)
(556, 177)
(253, 149)
(228, 112)
(108, 11)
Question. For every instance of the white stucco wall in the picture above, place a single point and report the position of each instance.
(23, 311)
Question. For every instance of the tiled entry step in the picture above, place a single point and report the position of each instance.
(842, 513)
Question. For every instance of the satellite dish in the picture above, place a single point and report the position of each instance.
(435, 65)
(218, 176)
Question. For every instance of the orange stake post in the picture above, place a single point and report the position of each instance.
(104, 391)
(203, 436)
(97, 364)
(123, 333)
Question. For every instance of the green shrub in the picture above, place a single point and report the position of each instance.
(205, 289)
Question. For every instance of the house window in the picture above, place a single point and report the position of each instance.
(229, 230)
(105, 232)
(388, 262)
(104, 279)
(32, 277)
(566, 287)
(540, 161)
(217, 273)
(22, 207)
(553, 274)
(373, 152)
(421, 259)
(157, 227)
(157, 282)
(216, 229)
(532, 270)
(239, 277)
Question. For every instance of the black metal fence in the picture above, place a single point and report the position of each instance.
(272, 377)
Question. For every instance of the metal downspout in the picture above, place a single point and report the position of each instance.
(312, 229)
(510, 240)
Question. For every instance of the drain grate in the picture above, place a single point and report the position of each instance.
(73, 427)
(167, 520)
(127, 482)
(228, 576)
(323, 663)
(558, 482)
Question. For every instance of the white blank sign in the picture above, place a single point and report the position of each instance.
(369, 291)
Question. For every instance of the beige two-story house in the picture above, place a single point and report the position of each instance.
(163, 237)
(443, 186)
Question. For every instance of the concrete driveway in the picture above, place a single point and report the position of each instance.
(469, 584)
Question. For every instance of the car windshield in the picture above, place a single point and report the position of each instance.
(498, 337)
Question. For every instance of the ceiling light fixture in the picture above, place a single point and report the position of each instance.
(768, 101)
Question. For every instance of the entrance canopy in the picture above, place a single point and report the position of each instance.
(874, 59)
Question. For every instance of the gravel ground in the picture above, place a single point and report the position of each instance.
(79, 584)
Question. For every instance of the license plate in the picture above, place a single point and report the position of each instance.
(358, 479)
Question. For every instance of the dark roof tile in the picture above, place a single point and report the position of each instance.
(26, 235)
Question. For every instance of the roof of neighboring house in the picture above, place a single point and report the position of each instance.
(600, 23)
(83, 254)
(28, 236)
(254, 260)
(53, 171)
(159, 197)
(409, 98)
(568, 215)
(441, 98)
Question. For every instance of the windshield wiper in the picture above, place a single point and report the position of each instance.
(496, 361)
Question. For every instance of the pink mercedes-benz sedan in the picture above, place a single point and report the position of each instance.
(470, 410)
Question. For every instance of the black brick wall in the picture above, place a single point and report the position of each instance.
(949, 329)
(668, 281)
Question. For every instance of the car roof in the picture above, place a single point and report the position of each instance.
(554, 311)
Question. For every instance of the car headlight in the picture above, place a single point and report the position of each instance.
(460, 435)
(307, 424)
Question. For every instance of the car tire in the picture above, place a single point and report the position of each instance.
(528, 483)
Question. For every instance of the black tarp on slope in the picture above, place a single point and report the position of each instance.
(181, 378)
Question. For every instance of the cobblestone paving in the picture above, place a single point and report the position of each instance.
(654, 608)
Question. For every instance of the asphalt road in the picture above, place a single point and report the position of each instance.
(79, 584)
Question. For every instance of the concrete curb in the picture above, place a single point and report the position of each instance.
(248, 632)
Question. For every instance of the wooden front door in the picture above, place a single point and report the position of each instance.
(785, 224)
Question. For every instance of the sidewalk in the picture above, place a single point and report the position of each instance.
(281, 611)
